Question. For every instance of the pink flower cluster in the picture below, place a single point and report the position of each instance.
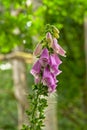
(46, 67)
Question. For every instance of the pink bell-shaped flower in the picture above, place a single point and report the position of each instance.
(57, 48)
(38, 49)
(44, 58)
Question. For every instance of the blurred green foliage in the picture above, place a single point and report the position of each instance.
(21, 25)
(8, 105)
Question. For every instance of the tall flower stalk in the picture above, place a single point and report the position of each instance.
(45, 71)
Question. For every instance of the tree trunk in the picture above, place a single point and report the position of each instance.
(51, 114)
(85, 86)
(20, 88)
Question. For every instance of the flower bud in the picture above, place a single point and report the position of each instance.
(55, 32)
(56, 35)
(49, 37)
(38, 50)
(57, 48)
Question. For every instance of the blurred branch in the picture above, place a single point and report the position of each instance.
(84, 88)
(85, 39)
(9, 92)
(17, 55)
(68, 44)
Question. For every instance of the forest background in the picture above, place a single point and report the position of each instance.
(22, 25)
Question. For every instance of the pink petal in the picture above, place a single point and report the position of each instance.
(37, 80)
(48, 79)
(35, 71)
(49, 38)
(44, 58)
(38, 50)
(54, 63)
(57, 48)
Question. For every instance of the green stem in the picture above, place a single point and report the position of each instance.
(37, 107)
(34, 111)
